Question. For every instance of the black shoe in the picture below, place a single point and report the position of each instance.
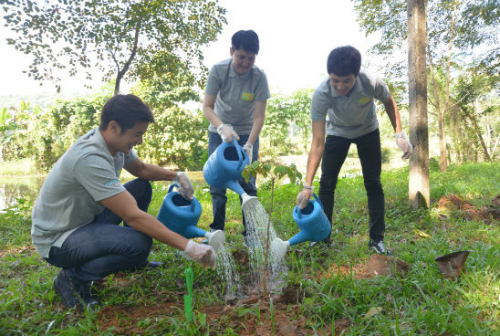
(87, 296)
(378, 247)
(73, 292)
(153, 265)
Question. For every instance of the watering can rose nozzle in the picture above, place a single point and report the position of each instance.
(279, 247)
(246, 199)
(216, 239)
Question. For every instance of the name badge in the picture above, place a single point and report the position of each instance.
(364, 100)
(247, 96)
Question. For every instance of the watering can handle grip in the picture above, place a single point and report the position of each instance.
(236, 146)
(172, 187)
(317, 200)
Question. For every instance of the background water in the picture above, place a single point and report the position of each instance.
(28, 187)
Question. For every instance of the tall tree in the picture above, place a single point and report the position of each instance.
(419, 133)
(115, 37)
(456, 29)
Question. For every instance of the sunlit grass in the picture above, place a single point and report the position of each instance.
(420, 303)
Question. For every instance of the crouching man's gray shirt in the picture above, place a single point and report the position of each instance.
(69, 199)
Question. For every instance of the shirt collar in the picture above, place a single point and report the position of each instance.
(232, 72)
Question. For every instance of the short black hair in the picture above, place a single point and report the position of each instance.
(126, 110)
(246, 40)
(344, 61)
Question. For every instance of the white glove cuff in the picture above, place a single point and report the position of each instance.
(306, 186)
(401, 134)
(223, 125)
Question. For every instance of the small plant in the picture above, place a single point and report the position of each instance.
(278, 173)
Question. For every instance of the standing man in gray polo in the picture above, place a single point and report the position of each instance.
(343, 107)
(235, 104)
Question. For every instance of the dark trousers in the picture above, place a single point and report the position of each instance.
(336, 149)
(219, 198)
(104, 247)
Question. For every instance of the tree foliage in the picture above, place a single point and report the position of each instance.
(462, 38)
(287, 116)
(118, 38)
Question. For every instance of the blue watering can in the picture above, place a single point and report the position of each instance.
(312, 222)
(181, 216)
(224, 167)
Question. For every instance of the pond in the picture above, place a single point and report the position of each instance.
(28, 187)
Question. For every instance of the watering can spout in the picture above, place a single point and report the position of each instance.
(235, 186)
(300, 237)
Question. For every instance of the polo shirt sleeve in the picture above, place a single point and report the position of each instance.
(382, 92)
(130, 157)
(262, 91)
(96, 174)
(214, 82)
(319, 106)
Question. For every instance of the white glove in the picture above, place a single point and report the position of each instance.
(185, 187)
(249, 149)
(304, 196)
(201, 253)
(404, 144)
(227, 133)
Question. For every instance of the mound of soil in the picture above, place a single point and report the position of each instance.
(486, 214)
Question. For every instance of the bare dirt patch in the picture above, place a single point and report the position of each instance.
(486, 213)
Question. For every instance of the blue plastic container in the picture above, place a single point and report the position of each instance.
(224, 167)
(181, 215)
(312, 222)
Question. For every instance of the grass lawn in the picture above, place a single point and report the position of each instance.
(327, 290)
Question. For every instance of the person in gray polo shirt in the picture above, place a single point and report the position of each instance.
(76, 217)
(343, 107)
(235, 104)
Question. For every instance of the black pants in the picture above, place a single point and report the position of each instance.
(336, 149)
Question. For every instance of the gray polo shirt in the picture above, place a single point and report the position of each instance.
(353, 115)
(70, 195)
(236, 95)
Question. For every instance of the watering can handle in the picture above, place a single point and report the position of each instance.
(193, 205)
(298, 212)
(317, 200)
(240, 158)
(172, 187)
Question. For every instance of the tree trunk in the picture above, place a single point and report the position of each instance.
(419, 132)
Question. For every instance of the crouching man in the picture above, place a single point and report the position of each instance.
(77, 214)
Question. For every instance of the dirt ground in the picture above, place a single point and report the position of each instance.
(288, 320)
(486, 213)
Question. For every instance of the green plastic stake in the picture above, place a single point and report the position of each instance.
(188, 299)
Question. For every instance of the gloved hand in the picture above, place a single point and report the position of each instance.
(304, 196)
(227, 133)
(185, 187)
(249, 149)
(201, 253)
(404, 144)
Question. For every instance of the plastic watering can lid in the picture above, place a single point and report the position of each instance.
(170, 189)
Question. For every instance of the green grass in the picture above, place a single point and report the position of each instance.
(420, 303)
